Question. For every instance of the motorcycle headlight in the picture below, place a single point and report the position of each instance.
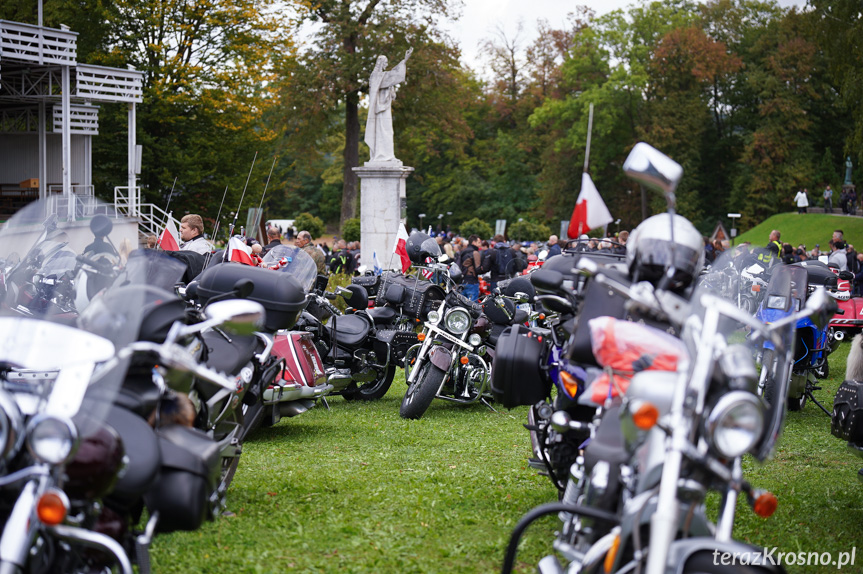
(51, 439)
(735, 424)
(474, 340)
(457, 321)
(434, 317)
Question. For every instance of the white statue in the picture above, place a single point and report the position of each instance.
(382, 92)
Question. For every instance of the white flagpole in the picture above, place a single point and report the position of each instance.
(589, 130)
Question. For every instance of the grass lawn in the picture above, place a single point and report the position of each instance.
(358, 489)
(808, 229)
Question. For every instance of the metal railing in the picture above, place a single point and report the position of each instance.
(153, 218)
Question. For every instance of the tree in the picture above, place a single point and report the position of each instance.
(334, 72)
(310, 223)
(477, 227)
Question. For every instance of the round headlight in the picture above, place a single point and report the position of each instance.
(474, 340)
(735, 423)
(434, 317)
(51, 439)
(457, 321)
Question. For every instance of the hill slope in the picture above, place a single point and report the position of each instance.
(808, 229)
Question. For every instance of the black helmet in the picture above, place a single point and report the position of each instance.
(419, 246)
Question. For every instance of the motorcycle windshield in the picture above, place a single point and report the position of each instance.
(715, 309)
(294, 261)
(50, 363)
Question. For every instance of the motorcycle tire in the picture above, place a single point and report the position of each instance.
(420, 395)
(373, 390)
(797, 404)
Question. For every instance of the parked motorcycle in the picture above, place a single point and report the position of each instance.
(635, 498)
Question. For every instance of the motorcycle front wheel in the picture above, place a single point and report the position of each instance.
(373, 390)
(421, 394)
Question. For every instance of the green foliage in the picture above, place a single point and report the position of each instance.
(310, 223)
(351, 230)
(808, 229)
(525, 230)
(476, 226)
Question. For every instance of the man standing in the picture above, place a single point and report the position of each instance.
(471, 267)
(770, 254)
(192, 235)
(343, 261)
(304, 242)
(273, 236)
(828, 199)
(553, 247)
(838, 256)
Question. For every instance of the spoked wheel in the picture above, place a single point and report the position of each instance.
(373, 390)
(421, 394)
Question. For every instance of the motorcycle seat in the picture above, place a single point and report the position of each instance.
(607, 445)
(351, 330)
(495, 333)
(520, 316)
(229, 357)
(382, 315)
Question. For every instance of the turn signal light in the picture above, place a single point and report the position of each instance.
(421, 337)
(52, 507)
(570, 384)
(765, 504)
(756, 288)
(608, 566)
(542, 316)
(464, 360)
(645, 415)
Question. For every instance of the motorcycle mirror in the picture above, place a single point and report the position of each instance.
(653, 169)
(236, 316)
(50, 223)
(846, 276)
(542, 255)
(243, 288)
(547, 279)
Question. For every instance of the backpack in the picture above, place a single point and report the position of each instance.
(504, 264)
(466, 262)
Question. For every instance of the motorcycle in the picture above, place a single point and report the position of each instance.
(634, 498)
(814, 343)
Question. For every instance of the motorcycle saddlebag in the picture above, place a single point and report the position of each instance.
(517, 376)
(190, 468)
(281, 295)
(847, 419)
(415, 296)
(371, 283)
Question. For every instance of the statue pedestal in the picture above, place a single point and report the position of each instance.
(382, 198)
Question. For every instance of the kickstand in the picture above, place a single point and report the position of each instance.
(488, 404)
(327, 404)
(814, 400)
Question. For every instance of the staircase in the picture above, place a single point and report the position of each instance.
(152, 218)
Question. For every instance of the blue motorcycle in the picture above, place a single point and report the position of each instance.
(812, 344)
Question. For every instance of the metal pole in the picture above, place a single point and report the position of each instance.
(589, 130)
(67, 144)
(134, 200)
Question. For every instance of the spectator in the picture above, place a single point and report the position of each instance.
(470, 263)
(274, 239)
(192, 235)
(788, 256)
(858, 277)
(838, 256)
(802, 201)
(828, 199)
(343, 261)
(852, 201)
(553, 247)
(152, 240)
(851, 258)
(304, 242)
(770, 254)
(816, 252)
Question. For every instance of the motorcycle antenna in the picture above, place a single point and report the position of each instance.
(170, 195)
(216, 227)
(237, 213)
(263, 195)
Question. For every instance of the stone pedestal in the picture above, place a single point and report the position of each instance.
(382, 193)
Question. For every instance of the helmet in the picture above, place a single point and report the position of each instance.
(419, 246)
(652, 250)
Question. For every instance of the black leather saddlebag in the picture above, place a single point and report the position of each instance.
(518, 377)
(847, 420)
(371, 283)
(190, 468)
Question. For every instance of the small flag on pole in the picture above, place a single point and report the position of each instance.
(400, 248)
(377, 266)
(170, 240)
(239, 252)
(590, 211)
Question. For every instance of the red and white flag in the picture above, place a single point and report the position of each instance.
(239, 252)
(170, 240)
(427, 273)
(401, 249)
(590, 211)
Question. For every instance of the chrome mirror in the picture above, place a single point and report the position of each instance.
(236, 316)
(652, 168)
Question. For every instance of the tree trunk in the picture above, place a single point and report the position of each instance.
(351, 156)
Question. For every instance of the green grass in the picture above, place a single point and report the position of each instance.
(808, 229)
(358, 489)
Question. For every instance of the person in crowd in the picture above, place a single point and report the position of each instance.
(858, 277)
(770, 254)
(192, 235)
(852, 201)
(802, 255)
(802, 201)
(470, 262)
(553, 247)
(273, 239)
(843, 201)
(152, 240)
(816, 252)
(838, 256)
(788, 255)
(343, 261)
(709, 250)
(851, 258)
(828, 199)
(304, 242)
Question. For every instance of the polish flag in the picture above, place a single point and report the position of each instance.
(400, 247)
(590, 211)
(170, 237)
(239, 252)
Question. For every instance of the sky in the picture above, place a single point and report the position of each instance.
(480, 17)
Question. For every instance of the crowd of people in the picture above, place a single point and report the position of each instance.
(847, 200)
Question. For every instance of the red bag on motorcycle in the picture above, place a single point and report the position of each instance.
(628, 348)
